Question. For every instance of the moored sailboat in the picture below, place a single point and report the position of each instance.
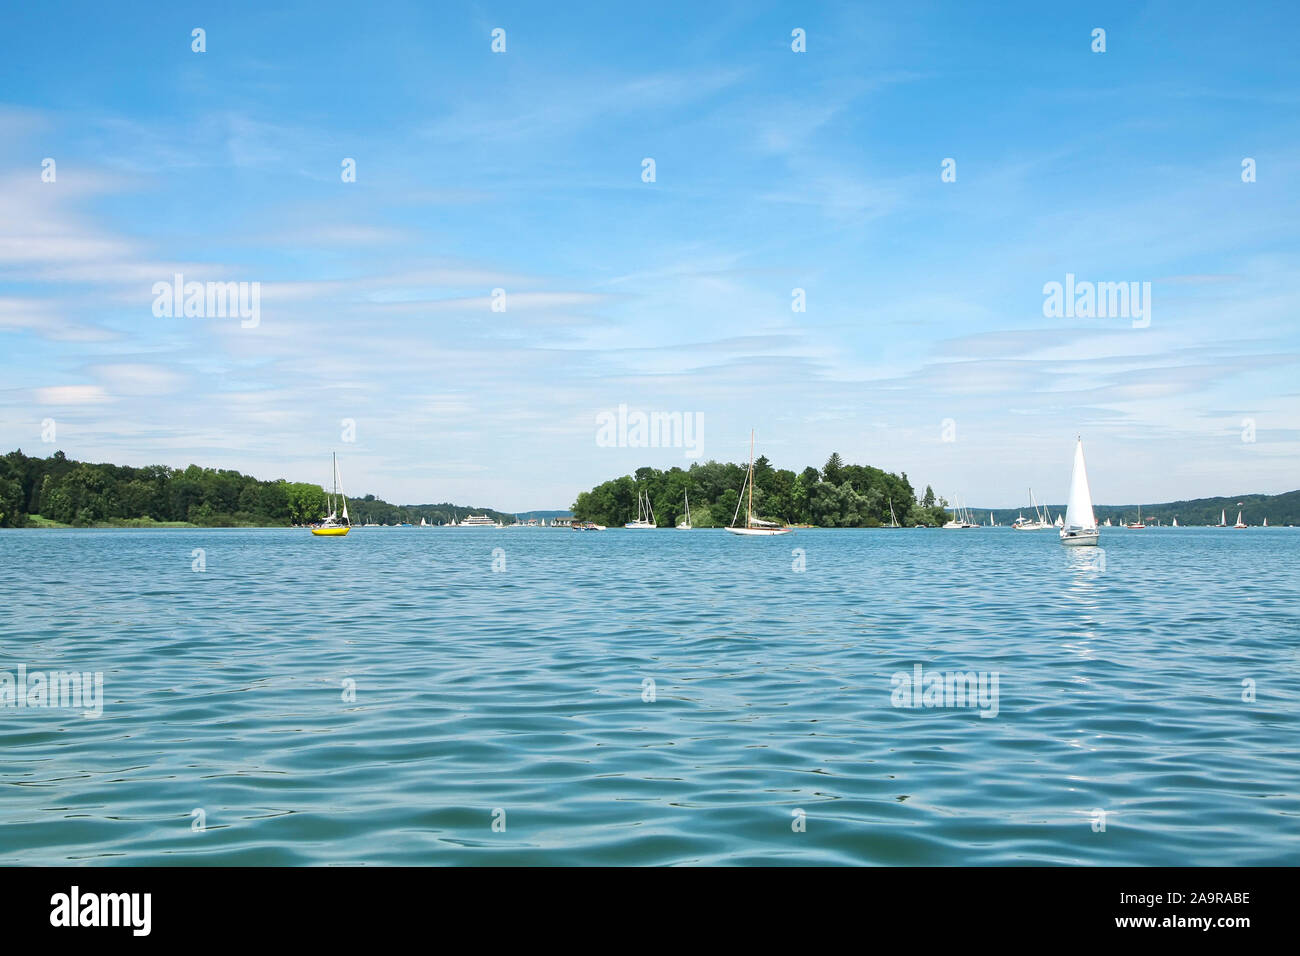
(645, 517)
(753, 526)
(335, 525)
(1037, 523)
(686, 525)
(1079, 526)
(961, 518)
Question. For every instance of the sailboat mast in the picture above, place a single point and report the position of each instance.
(749, 515)
(334, 482)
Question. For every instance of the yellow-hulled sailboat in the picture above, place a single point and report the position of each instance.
(335, 525)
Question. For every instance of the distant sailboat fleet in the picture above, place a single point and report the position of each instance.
(1077, 527)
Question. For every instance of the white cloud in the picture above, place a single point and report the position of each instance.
(71, 395)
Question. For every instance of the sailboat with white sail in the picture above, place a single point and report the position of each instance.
(1080, 525)
(645, 517)
(752, 526)
(335, 525)
(1240, 523)
(686, 525)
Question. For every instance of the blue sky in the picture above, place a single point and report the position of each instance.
(775, 170)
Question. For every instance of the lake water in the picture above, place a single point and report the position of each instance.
(520, 696)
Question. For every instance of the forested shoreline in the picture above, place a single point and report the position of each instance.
(60, 490)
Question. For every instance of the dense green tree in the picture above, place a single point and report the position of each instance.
(861, 498)
(832, 471)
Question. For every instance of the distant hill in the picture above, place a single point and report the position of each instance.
(1280, 509)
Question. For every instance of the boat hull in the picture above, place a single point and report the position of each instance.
(760, 532)
(1081, 539)
(330, 532)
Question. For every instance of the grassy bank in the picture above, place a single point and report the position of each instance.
(40, 521)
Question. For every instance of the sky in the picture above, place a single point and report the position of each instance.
(924, 344)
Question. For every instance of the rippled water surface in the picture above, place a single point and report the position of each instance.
(519, 695)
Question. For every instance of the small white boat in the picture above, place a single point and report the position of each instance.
(686, 525)
(645, 518)
(753, 526)
(1079, 527)
(1223, 520)
(1240, 523)
(1175, 524)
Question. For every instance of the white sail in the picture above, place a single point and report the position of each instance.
(1078, 512)
(338, 478)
